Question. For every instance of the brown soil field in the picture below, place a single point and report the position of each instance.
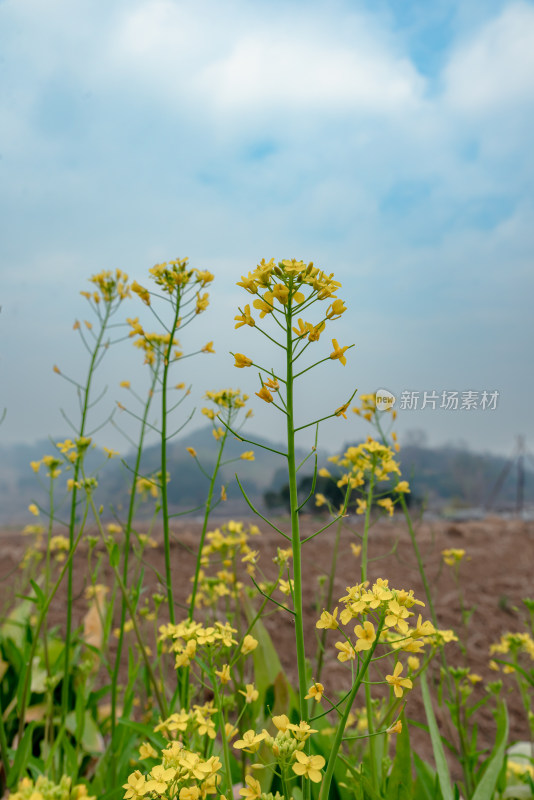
(496, 575)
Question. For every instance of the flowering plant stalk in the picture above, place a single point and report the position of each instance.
(110, 289)
(181, 288)
(456, 683)
(284, 292)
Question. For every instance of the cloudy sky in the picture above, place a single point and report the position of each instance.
(389, 141)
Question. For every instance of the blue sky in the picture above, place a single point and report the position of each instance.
(389, 142)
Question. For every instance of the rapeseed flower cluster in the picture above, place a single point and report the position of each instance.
(278, 288)
(110, 286)
(187, 637)
(45, 789)
(381, 612)
(281, 278)
(287, 747)
(225, 547)
(183, 286)
(172, 275)
(155, 346)
(514, 644)
(452, 556)
(182, 774)
(188, 722)
(366, 458)
(361, 463)
(69, 452)
(369, 411)
(228, 403)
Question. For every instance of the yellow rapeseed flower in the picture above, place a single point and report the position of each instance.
(335, 310)
(250, 741)
(340, 412)
(387, 504)
(110, 453)
(346, 651)
(250, 694)
(147, 751)
(327, 620)
(452, 556)
(224, 674)
(242, 361)
(135, 787)
(245, 318)
(141, 292)
(315, 692)
(365, 636)
(309, 766)
(362, 506)
(249, 644)
(338, 352)
(264, 394)
(398, 683)
(252, 791)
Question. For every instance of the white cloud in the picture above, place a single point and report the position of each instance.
(495, 68)
(277, 72)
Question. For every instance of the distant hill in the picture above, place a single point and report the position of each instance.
(443, 477)
(188, 487)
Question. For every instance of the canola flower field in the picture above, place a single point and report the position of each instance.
(154, 697)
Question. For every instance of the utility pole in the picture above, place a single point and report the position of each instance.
(520, 475)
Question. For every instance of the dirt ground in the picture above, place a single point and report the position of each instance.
(497, 574)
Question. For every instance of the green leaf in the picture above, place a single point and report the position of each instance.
(426, 785)
(369, 792)
(79, 711)
(14, 627)
(114, 555)
(21, 757)
(437, 746)
(91, 739)
(400, 781)
(39, 593)
(155, 738)
(71, 759)
(267, 665)
(493, 766)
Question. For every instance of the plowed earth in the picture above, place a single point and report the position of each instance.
(496, 574)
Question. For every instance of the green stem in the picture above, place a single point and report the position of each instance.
(222, 729)
(40, 620)
(295, 534)
(3, 744)
(367, 522)
(131, 610)
(49, 724)
(368, 703)
(185, 675)
(327, 780)
(329, 595)
(72, 521)
(127, 538)
(164, 493)
(205, 525)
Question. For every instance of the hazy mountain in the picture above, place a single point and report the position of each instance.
(445, 476)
